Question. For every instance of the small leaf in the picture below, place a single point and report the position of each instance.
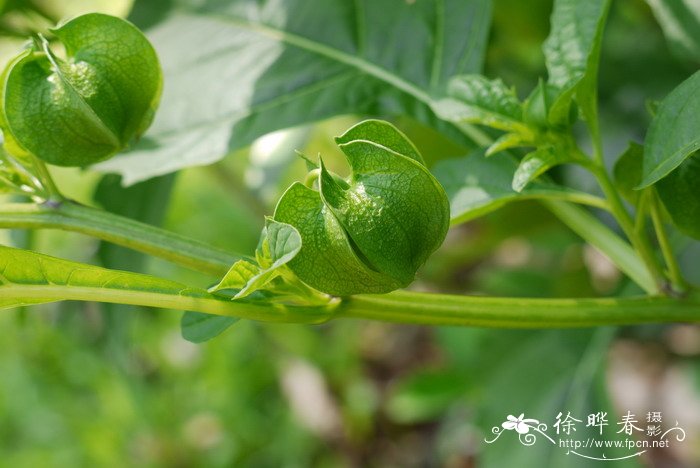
(237, 276)
(674, 133)
(198, 327)
(536, 108)
(476, 99)
(279, 244)
(534, 165)
(476, 185)
(628, 172)
(83, 109)
(679, 193)
(507, 141)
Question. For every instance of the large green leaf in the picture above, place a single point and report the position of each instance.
(680, 21)
(237, 70)
(477, 185)
(571, 53)
(679, 193)
(83, 109)
(513, 381)
(674, 134)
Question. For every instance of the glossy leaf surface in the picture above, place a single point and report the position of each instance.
(238, 70)
(674, 134)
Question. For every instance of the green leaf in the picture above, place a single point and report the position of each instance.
(506, 141)
(571, 53)
(369, 233)
(679, 193)
(674, 133)
(628, 172)
(237, 70)
(535, 164)
(280, 243)
(23, 272)
(476, 185)
(93, 102)
(538, 104)
(424, 396)
(198, 328)
(476, 99)
(31, 278)
(680, 22)
(512, 380)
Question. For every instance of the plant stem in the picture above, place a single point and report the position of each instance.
(639, 240)
(438, 309)
(70, 216)
(640, 221)
(398, 307)
(46, 180)
(674, 270)
(597, 234)
(587, 226)
(191, 299)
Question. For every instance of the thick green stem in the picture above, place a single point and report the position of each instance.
(437, 309)
(70, 216)
(399, 307)
(191, 299)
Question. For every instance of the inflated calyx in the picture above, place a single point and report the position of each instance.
(371, 232)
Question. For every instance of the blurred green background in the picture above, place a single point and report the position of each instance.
(86, 384)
